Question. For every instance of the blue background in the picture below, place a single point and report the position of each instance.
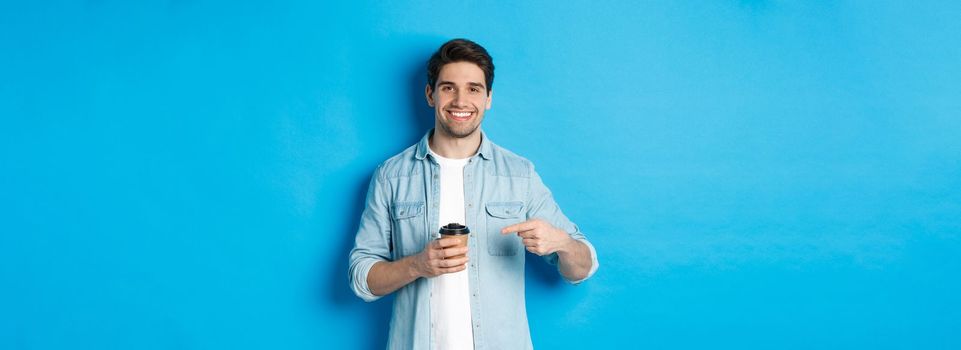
(754, 174)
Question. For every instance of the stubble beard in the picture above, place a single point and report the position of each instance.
(459, 133)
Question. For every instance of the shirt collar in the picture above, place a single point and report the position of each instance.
(423, 148)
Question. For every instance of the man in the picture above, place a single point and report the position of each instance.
(455, 174)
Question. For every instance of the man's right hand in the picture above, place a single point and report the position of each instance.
(433, 261)
(386, 276)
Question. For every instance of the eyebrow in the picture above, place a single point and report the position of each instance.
(475, 84)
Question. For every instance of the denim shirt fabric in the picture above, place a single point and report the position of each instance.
(400, 218)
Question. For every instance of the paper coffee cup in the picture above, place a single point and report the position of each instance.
(461, 232)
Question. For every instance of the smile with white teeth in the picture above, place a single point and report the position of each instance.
(461, 115)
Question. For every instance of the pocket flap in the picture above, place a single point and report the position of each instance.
(403, 210)
(505, 210)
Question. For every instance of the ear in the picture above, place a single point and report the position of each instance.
(490, 98)
(428, 93)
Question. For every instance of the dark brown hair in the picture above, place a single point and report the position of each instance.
(460, 50)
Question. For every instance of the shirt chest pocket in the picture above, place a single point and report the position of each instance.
(500, 215)
(409, 230)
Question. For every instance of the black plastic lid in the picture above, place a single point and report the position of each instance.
(454, 229)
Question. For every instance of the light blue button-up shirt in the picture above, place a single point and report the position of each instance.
(400, 218)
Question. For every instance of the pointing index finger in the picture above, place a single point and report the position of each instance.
(520, 227)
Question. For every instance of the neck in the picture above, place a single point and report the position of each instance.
(453, 147)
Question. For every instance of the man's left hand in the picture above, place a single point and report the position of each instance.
(540, 237)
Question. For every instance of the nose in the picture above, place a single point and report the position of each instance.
(458, 100)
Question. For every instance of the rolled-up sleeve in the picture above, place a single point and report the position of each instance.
(372, 243)
(543, 206)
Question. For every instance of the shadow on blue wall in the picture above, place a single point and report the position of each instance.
(541, 274)
(335, 280)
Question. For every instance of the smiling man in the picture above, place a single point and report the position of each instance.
(451, 296)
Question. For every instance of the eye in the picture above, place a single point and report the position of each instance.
(474, 89)
(446, 88)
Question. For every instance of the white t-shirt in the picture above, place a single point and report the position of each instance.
(450, 293)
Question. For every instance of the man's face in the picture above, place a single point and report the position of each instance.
(460, 99)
